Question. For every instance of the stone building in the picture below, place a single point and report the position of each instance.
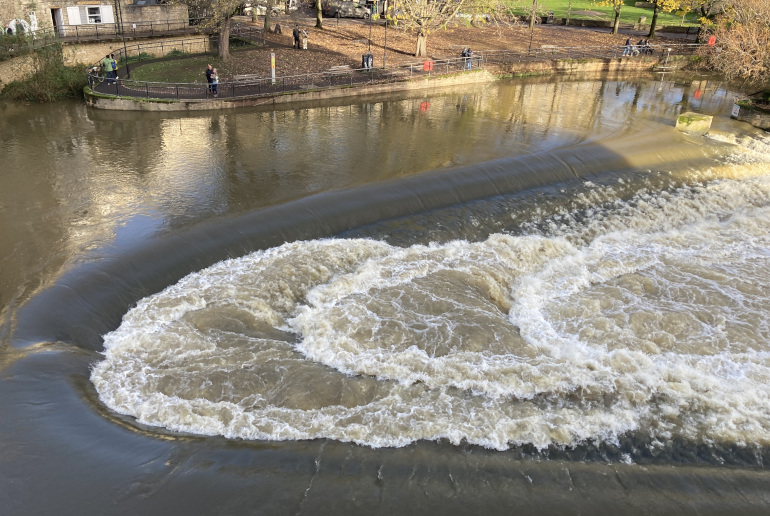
(64, 15)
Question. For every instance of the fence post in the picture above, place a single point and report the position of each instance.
(147, 90)
(177, 92)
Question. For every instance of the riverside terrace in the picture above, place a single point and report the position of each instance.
(250, 86)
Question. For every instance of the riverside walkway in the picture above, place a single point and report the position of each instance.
(250, 86)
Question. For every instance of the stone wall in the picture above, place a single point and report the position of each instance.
(87, 54)
(91, 53)
(154, 13)
(756, 117)
(12, 9)
(16, 68)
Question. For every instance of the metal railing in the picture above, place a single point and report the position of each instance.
(255, 86)
(157, 50)
(98, 31)
(23, 42)
(547, 52)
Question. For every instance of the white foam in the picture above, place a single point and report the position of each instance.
(649, 317)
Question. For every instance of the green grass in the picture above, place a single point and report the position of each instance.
(51, 81)
(189, 69)
(629, 13)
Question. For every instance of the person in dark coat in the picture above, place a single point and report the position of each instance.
(295, 33)
(210, 77)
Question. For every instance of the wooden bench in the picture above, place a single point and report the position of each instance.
(551, 48)
(247, 78)
(341, 69)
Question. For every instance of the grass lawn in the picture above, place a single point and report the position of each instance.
(629, 13)
(187, 69)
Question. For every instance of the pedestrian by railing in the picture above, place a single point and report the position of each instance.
(252, 86)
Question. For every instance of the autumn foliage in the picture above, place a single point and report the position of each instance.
(742, 49)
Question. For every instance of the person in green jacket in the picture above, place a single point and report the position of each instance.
(107, 69)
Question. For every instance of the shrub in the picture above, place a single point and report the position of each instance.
(51, 81)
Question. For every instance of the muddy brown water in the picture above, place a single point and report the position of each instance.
(526, 296)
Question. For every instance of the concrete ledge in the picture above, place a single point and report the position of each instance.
(636, 64)
(694, 123)
(100, 101)
(757, 117)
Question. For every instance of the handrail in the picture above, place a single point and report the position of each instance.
(253, 87)
(105, 30)
(192, 46)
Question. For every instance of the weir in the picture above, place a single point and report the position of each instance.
(89, 301)
(542, 299)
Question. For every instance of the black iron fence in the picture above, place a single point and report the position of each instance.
(135, 53)
(13, 45)
(98, 31)
(251, 86)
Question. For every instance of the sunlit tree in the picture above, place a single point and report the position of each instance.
(423, 16)
(617, 6)
(666, 6)
(742, 49)
(217, 15)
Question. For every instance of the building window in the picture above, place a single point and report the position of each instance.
(94, 15)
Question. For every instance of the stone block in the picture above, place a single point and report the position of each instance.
(693, 123)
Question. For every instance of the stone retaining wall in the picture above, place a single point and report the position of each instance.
(16, 68)
(87, 54)
(581, 67)
(756, 117)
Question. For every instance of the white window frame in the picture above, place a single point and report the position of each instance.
(94, 13)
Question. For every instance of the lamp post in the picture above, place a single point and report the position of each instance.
(123, 36)
(385, 46)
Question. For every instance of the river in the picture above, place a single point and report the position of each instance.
(527, 296)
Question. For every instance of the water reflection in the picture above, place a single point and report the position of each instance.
(75, 180)
(83, 189)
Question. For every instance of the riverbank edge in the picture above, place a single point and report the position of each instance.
(625, 65)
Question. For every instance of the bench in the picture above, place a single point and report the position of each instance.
(341, 69)
(246, 78)
(551, 48)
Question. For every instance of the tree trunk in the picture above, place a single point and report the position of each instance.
(616, 24)
(224, 39)
(532, 14)
(422, 45)
(268, 15)
(319, 14)
(654, 20)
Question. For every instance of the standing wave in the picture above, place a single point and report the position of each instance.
(648, 319)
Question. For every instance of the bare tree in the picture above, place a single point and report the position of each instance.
(268, 14)
(319, 15)
(742, 46)
(423, 16)
(217, 15)
(617, 6)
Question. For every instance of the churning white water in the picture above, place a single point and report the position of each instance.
(647, 317)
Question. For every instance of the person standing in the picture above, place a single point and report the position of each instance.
(627, 50)
(107, 68)
(209, 77)
(304, 39)
(295, 33)
(214, 82)
(114, 65)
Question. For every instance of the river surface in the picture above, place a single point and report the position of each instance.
(532, 296)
